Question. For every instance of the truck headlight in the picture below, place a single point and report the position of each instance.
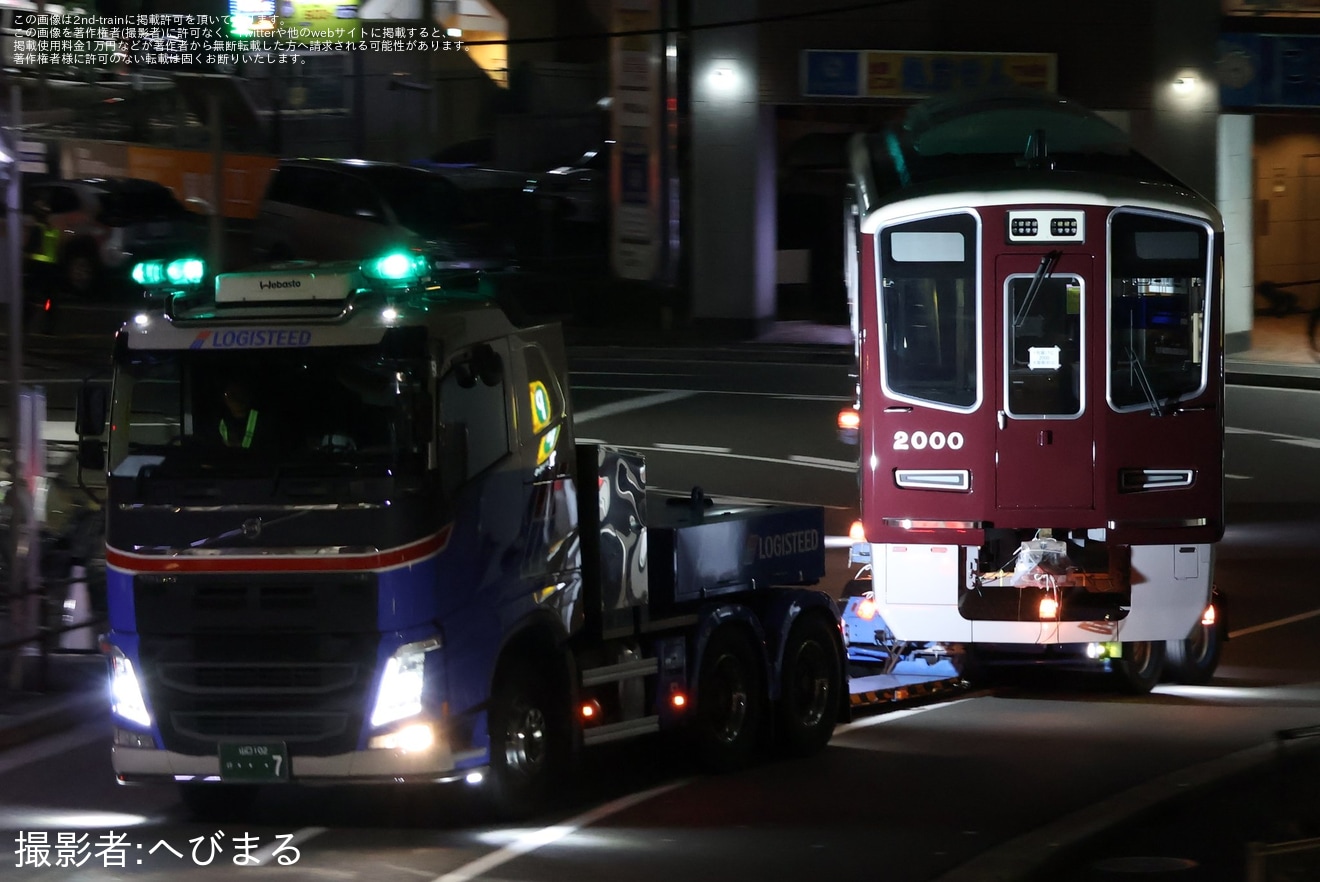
(125, 692)
(402, 682)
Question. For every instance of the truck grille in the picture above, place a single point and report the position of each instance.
(268, 657)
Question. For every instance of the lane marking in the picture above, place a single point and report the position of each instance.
(805, 462)
(826, 463)
(891, 716)
(45, 748)
(535, 839)
(692, 448)
(1277, 623)
(783, 396)
(618, 407)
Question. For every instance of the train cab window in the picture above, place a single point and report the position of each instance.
(928, 311)
(1045, 346)
(1160, 270)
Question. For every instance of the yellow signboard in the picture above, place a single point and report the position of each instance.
(918, 74)
(323, 21)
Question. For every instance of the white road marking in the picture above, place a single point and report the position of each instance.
(1277, 623)
(840, 464)
(618, 407)
(45, 748)
(692, 448)
(805, 462)
(550, 835)
(782, 396)
(892, 716)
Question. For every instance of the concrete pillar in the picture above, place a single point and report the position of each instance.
(732, 178)
(1236, 203)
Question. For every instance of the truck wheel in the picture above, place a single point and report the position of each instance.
(529, 740)
(219, 802)
(809, 703)
(730, 702)
(1141, 666)
(1192, 661)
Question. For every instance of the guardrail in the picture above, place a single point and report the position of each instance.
(1297, 807)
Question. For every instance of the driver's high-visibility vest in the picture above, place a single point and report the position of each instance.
(247, 432)
(46, 248)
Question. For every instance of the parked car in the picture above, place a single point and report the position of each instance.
(105, 226)
(578, 191)
(336, 209)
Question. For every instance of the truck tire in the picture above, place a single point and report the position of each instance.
(1192, 661)
(812, 682)
(218, 802)
(1141, 666)
(530, 740)
(731, 702)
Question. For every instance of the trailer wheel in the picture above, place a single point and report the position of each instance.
(1192, 661)
(730, 702)
(529, 740)
(218, 802)
(812, 680)
(1141, 666)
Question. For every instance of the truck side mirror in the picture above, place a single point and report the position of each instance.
(91, 454)
(93, 404)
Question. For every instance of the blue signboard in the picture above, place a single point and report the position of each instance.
(1269, 70)
(830, 73)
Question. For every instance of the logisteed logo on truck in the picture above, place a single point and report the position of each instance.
(785, 544)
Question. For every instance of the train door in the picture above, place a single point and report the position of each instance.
(1044, 449)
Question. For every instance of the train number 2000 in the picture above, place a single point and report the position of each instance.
(933, 440)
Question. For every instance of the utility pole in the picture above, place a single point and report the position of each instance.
(21, 530)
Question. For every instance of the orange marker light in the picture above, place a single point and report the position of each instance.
(1208, 617)
(849, 418)
(1049, 608)
(866, 609)
(856, 532)
(677, 698)
(589, 711)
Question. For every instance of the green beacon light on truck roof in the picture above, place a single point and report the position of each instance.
(184, 272)
(402, 268)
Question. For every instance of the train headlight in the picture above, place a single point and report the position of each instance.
(125, 692)
(402, 683)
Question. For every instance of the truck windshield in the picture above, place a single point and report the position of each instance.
(1157, 313)
(235, 412)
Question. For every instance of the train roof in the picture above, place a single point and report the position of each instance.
(319, 304)
(1009, 146)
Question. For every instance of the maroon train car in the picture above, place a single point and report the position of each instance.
(1038, 317)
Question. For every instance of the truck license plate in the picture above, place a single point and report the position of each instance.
(267, 761)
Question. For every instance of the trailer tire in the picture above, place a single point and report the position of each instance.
(1140, 667)
(811, 684)
(530, 740)
(1192, 661)
(731, 702)
(218, 802)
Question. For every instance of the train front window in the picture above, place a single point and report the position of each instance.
(928, 311)
(1045, 333)
(1157, 310)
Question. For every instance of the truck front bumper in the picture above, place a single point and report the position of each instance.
(433, 765)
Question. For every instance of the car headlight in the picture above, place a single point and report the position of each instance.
(402, 683)
(125, 691)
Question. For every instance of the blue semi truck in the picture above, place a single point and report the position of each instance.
(350, 538)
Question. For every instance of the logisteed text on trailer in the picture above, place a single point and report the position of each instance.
(350, 538)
